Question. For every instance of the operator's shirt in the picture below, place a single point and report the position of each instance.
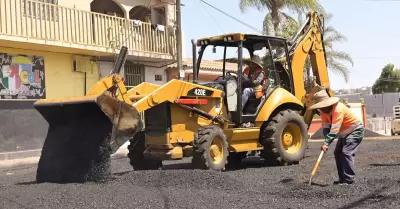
(340, 123)
(255, 74)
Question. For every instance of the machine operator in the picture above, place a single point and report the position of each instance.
(255, 75)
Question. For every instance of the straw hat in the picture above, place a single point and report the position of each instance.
(321, 99)
(255, 59)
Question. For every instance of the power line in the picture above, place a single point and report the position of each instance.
(210, 16)
(245, 24)
(194, 1)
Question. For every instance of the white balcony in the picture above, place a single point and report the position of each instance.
(37, 25)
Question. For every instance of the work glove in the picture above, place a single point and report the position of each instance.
(259, 92)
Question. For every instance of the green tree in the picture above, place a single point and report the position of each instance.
(388, 81)
(276, 20)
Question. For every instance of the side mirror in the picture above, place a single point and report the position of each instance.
(214, 50)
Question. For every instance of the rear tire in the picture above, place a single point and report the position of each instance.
(285, 139)
(137, 160)
(210, 150)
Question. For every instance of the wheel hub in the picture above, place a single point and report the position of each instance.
(216, 151)
(292, 138)
(287, 139)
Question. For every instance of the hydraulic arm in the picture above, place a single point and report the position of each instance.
(309, 42)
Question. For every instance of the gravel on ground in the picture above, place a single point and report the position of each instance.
(251, 186)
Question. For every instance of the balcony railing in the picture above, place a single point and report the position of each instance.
(49, 22)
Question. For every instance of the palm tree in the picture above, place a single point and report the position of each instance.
(276, 19)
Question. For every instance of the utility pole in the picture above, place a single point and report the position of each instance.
(179, 39)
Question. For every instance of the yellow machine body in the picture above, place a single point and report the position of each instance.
(180, 115)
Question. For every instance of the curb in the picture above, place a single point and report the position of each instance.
(6, 164)
(20, 154)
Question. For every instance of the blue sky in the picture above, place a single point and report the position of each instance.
(373, 37)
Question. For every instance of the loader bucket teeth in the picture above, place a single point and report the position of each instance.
(77, 145)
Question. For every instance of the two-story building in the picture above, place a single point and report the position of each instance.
(60, 48)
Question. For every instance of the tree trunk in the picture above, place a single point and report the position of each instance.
(275, 21)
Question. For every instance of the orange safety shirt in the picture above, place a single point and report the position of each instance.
(258, 74)
(341, 122)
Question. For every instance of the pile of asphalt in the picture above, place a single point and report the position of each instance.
(368, 133)
(76, 148)
(250, 186)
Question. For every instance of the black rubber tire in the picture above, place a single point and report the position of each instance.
(201, 151)
(136, 158)
(274, 153)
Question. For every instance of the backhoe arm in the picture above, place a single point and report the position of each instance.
(309, 42)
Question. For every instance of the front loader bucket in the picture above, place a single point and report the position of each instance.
(77, 146)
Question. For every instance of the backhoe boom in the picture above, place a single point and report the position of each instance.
(309, 42)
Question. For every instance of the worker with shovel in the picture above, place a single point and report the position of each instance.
(339, 122)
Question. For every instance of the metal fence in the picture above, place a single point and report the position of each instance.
(134, 75)
(380, 125)
(59, 25)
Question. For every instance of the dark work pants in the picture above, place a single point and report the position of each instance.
(345, 152)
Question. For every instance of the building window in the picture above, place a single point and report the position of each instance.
(134, 74)
(158, 77)
(41, 9)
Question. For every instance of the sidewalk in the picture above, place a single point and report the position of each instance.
(122, 153)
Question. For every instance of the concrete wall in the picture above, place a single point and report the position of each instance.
(151, 72)
(375, 103)
(21, 126)
(78, 4)
(60, 78)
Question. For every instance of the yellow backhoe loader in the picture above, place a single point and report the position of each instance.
(203, 120)
(191, 119)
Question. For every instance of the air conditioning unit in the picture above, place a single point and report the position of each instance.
(82, 64)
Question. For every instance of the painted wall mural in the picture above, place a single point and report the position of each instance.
(22, 77)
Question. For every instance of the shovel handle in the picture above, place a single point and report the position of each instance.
(316, 165)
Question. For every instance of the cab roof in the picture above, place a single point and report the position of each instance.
(239, 36)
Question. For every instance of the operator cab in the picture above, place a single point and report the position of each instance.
(242, 48)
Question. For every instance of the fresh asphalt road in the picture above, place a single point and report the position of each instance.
(252, 186)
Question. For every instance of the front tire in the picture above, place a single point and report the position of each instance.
(137, 160)
(285, 139)
(210, 148)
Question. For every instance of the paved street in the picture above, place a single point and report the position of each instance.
(252, 186)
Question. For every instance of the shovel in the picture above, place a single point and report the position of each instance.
(316, 166)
